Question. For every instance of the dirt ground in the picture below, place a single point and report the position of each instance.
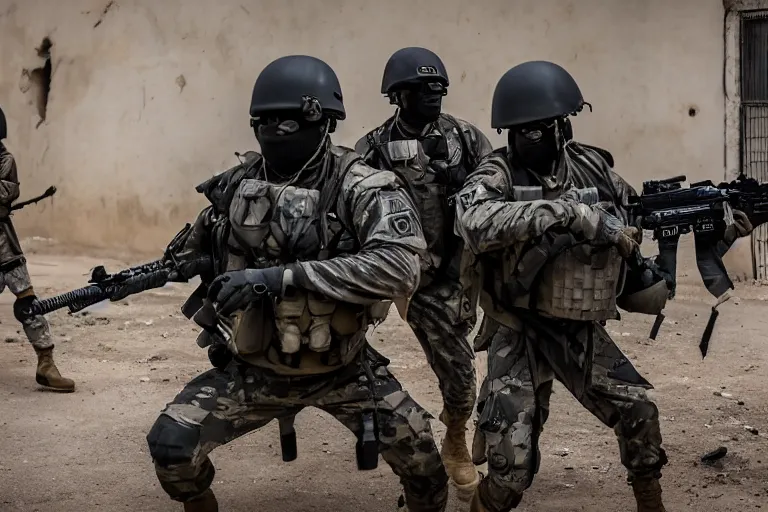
(87, 452)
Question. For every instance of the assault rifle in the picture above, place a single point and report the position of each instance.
(105, 286)
(669, 210)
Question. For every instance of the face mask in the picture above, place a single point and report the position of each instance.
(287, 146)
(423, 105)
(537, 146)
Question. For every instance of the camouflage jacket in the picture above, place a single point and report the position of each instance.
(448, 151)
(359, 242)
(505, 212)
(10, 248)
(495, 215)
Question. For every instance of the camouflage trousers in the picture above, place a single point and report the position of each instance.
(441, 317)
(523, 360)
(36, 328)
(220, 406)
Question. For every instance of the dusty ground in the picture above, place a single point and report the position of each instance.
(86, 451)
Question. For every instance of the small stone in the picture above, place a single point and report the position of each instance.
(740, 402)
(144, 379)
(751, 430)
(11, 339)
(714, 455)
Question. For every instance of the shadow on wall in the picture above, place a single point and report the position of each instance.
(36, 83)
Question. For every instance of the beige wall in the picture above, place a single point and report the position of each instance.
(125, 144)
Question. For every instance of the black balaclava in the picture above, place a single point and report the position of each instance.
(421, 103)
(292, 141)
(537, 145)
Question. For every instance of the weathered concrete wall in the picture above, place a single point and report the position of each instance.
(125, 143)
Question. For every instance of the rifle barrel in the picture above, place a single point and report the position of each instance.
(81, 295)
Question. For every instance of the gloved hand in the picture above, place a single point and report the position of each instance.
(612, 230)
(190, 268)
(741, 227)
(236, 289)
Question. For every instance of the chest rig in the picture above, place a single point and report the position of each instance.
(435, 168)
(302, 332)
(558, 275)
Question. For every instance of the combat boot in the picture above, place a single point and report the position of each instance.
(206, 502)
(648, 495)
(477, 505)
(455, 455)
(48, 375)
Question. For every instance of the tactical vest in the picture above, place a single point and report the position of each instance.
(559, 276)
(302, 332)
(432, 187)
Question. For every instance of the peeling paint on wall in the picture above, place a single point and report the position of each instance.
(125, 139)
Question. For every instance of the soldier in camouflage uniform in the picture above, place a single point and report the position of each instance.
(546, 223)
(435, 151)
(308, 245)
(14, 275)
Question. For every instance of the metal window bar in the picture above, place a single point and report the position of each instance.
(754, 119)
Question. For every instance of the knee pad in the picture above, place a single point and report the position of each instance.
(171, 443)
(22, 304)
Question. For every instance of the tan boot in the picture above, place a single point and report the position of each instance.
(648, 495)
(48, 375)
(456, 457)
(206, 502)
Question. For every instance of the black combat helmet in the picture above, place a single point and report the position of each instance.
(534, 91)
(284, 83)
(412, 64)
(3, 125)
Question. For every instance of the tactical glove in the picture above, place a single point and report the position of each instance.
(741, 227)
(608, 228)
(236, 289)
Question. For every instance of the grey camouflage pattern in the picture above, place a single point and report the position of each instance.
(375, 206)
(514, 404)
(442, 176)
(490, 219)
(36, 328)
(218, 407)
(10, 248)
(528, 350)
(374, 211)
(440, 313)
(441, 317)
